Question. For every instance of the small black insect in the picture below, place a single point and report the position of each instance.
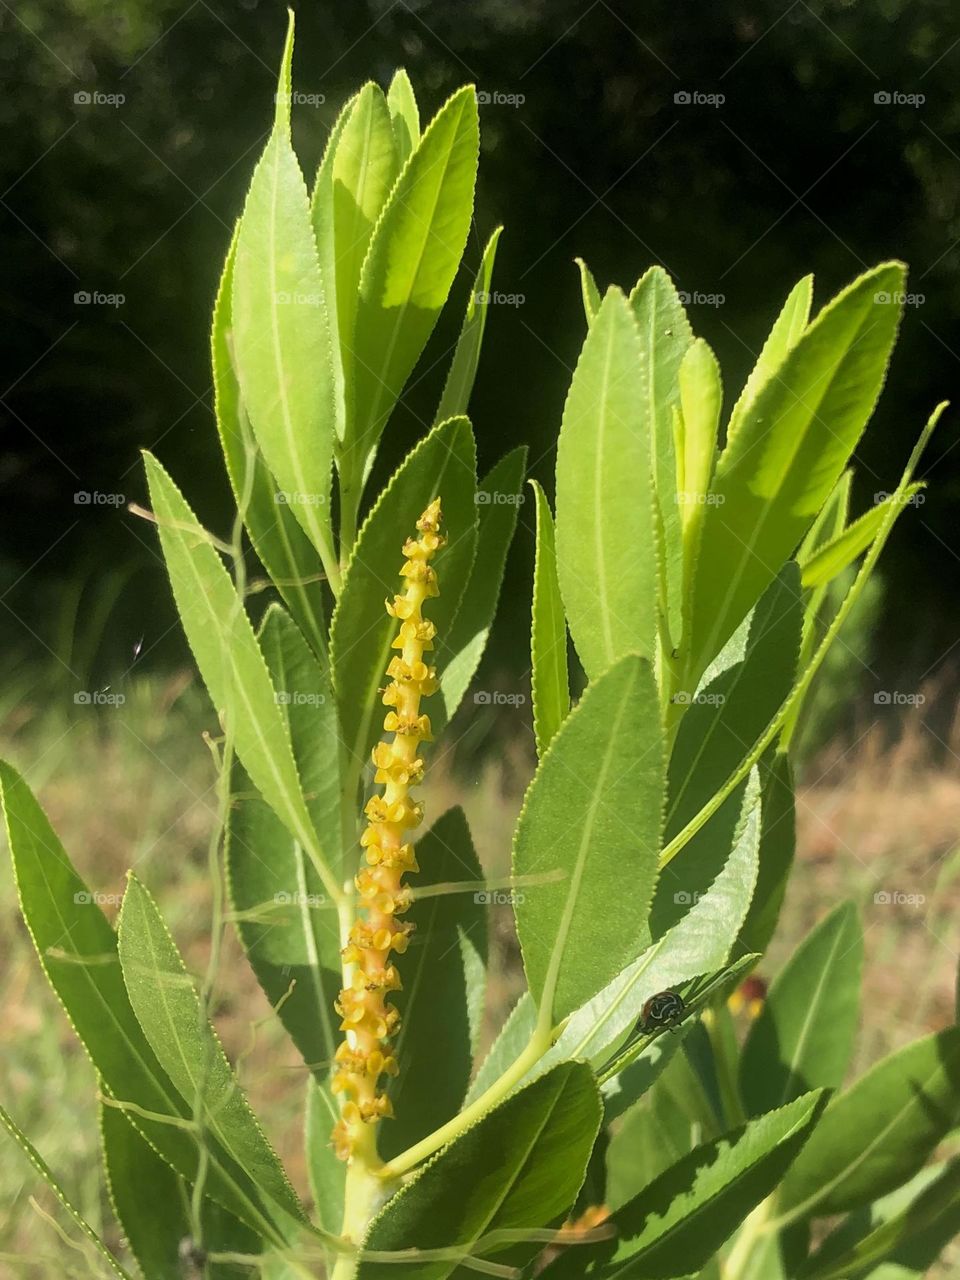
(663, 1010)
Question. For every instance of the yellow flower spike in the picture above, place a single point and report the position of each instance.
(369, 1020)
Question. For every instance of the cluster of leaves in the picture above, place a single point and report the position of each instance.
(656, 837)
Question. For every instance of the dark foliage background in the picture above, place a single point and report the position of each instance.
(802, 166)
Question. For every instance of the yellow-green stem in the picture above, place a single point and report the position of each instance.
(751, 1235)
(410, 1158)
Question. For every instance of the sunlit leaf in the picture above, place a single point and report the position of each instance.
(590, 826)
(517, 1169)
(550, 681)
(787, 455)
(606, 551)
(804, 1035)
(168, 1009)
(280, 330)
(466, 356)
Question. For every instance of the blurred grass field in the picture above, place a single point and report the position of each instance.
(131, 786)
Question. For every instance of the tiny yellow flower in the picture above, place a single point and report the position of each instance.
(369, 1021)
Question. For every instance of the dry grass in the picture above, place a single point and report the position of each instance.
(134, 788)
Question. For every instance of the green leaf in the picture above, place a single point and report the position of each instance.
(154, 1225)
(444, 981)
(777, 846)
(651, 1137)
(589, 291)
(512, 1039)
(909, 1240)
(701, 398)
(459, 651)
(152, 1206)
(622, 1092)
(783, 337)
(698, 944)
(764, 1262)
(804, 1036)
(677, 1223)
(287, 923)
(326, 1171)
(665, 335)
(880, 1131)
(365, 167)
(231, 663)
(592, 816)
(517, 1169)
(47, 1174)
(463, 367)
(280, 330)
(831, 519)
(321, 216)
(404, 114)
(303, 693)
(77, 950)
(722, 721)
(606, 552)
(442, 464)
(781, 465)
(831, 560)
(410, 265)
(167, 1007)
(283, 547)
(550, 681)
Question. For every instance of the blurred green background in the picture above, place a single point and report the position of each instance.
(740, 143)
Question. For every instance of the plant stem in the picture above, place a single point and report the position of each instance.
(407, 1160)
(752, 1234)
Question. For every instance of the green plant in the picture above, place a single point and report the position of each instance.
(655, 841)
